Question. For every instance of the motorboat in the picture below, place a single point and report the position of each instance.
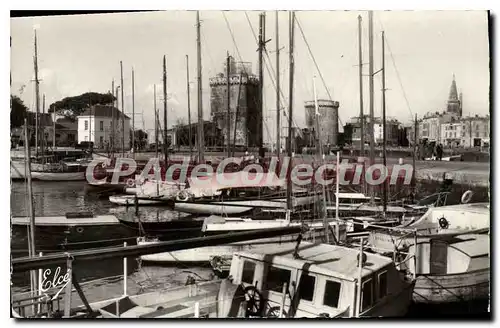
(443, 222)
(451, 271)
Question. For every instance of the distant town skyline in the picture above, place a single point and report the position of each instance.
(81, 53)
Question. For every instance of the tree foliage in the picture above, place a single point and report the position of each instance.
(74, 106)
(18, 112)
(141, 139)
(348, 130)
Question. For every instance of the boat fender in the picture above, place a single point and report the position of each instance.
(79, 229)
(443, 223)
(466, 197)
(364, 259)
(182, 196)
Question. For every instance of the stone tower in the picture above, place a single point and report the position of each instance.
(245, 112)
(328, 120)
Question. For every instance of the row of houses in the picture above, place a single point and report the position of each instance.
(394, 131)
(65, 128)
(453, 131)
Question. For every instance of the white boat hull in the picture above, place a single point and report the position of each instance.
(18, 168)
(155, 189)
(129, 200)
(240, 206)
(58, 176)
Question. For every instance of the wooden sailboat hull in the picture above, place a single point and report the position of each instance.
(57, 176)
(60, 233)
(450, 288)
(240, 206)
(18, 169)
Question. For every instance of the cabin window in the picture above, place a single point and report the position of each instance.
(382, 284)
(332, 294)
(248, 272)
(276, 278)
(367, 297)
(86, 125)
(306, 287)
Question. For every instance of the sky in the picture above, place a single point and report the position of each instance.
(424, 49)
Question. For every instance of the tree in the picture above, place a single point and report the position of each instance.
(74, 106)
(141, 139)
(348, 129)
(18, 112)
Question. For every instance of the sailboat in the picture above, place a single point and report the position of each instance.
(46, 168)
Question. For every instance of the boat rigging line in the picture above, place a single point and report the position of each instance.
(271, 72)
(316, 64)
(396, 69)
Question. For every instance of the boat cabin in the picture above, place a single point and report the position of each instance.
(321, 281)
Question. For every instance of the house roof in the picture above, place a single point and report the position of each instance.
(66, 124)
(104, 111)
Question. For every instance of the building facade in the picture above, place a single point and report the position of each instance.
(451, 134)
(328, 120)
(96, 123)
(245, 115)
(392, 131)
(476, 131)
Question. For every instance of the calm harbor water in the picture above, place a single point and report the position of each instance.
(58, 198)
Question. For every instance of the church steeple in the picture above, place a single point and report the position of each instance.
(453, 91)
(453, 101)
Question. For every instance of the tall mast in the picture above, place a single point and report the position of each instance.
(320, 154)
(112, 137)
(156, 120)
(43, 127)
(133, 114)
(413, 181)
(31, 208)
(360, 64)
(372, 116)
(237, 111)
(201, 146)
(262, 45)
(123, 109)
(37, 97)
(291, 16)
(228, 135)
(54, 130)
(189, 109)
(278, 111)
(165, 137)
(384, 131)
(90, 120)
(117, 106)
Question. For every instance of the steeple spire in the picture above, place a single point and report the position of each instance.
(453, 91)
(453, 105)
